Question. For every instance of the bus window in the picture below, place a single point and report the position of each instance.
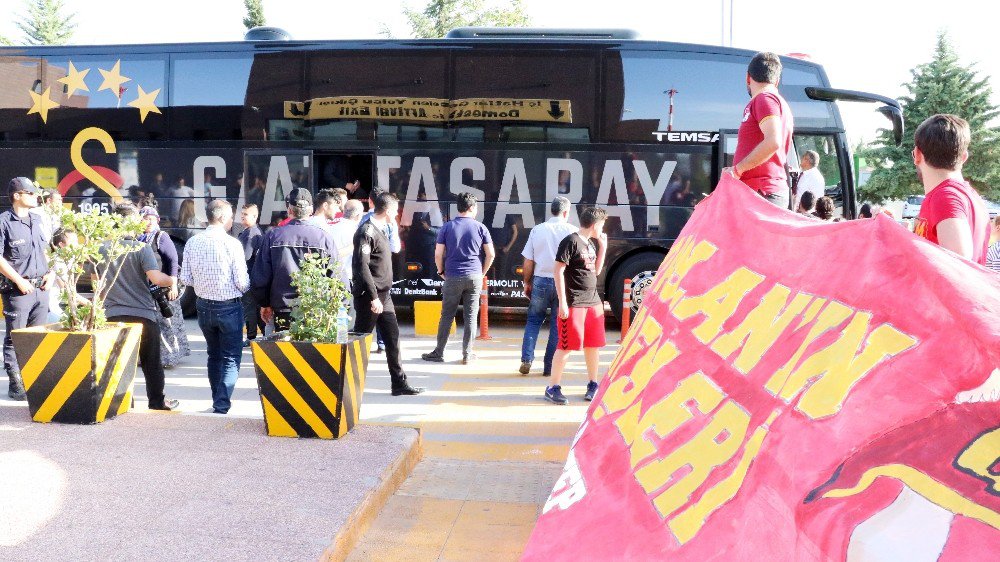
(709, 92)
(506, 76)
(21, 75)
(274, 79)
(207, 95)
(829, 166)
(106, 102)
(807, 113)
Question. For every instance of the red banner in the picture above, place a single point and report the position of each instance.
(787, 391)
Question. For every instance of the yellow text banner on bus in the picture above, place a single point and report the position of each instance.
(431, 110)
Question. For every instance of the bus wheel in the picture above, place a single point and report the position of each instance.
(640, 268)
(188, 305)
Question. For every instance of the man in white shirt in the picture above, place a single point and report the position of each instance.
(343, 242)
(539, 285)
(324, 209)
(810, 179)
(214, 264)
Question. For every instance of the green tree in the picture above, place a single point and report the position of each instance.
(5, 41)
(45, 23)
(255, 14)
(441, 16)
(942, 85)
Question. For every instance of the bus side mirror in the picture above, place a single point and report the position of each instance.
(895, 115)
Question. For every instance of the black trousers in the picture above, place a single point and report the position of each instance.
(251, 314)
(149, 356)
(22, 311)
(388, 325)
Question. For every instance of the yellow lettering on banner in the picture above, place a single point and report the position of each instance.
(832, 316)
(684, 255)
(665, 416)
(718, 304)
(624, 391)
(713, 446)
(761, 328)
(839, 366)
(981, 456)
(643, 324)
(686, 524)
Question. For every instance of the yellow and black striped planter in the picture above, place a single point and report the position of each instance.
(77, 377)
(311, 389)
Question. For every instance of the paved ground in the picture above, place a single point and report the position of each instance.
(493, 447)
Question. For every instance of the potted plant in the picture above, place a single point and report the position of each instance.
(81, 369)
(311, 385)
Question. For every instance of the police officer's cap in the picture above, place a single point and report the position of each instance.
(23, 184)
(299, 197)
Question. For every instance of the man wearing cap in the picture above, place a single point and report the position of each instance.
(281, 252)
(24, 285)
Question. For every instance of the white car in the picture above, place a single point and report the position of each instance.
(912, 206)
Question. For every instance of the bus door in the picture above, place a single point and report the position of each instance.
(830, 166)
(269, 175)
(353, 171)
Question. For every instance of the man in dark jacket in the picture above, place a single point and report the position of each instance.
(281, 252)
(251, 237)
(372, 270)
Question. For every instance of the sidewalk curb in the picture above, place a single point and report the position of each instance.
(369, 508)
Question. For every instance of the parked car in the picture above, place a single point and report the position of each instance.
(993, 209)
(912, 206)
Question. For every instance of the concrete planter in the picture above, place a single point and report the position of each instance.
(310, 389)
(78, 377)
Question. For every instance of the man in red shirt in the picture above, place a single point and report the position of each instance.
(765, 136)
(952, 215)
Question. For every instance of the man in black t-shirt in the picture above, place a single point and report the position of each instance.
(579, 261)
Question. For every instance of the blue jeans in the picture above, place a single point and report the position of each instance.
(222, 324)
(543, 300)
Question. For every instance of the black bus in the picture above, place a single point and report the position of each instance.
(515, 116)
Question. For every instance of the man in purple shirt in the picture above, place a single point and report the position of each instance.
(463, 255)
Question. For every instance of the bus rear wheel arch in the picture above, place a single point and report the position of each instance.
(640, 268)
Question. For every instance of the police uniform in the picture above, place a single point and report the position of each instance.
(23, 241)
(372, 271)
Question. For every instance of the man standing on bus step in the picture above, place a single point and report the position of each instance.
(24, 286)
(539, 284)
(463, 254)
(372, 270)
(281, 252)
(215, 265)
(579, 260)
(251, 238)
(765, 135)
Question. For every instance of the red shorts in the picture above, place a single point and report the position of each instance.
(583, 328)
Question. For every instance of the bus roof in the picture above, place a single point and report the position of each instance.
(512, 42)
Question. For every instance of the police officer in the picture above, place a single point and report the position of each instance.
(26, 278)
(280, 254)
(372, 270)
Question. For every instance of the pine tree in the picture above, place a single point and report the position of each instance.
(942, 85)
(441, 16)
(255, 14)
(45, 24)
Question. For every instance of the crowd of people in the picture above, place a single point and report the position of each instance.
(243, 279)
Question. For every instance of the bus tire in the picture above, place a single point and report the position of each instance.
(188, 305)
(640, 268)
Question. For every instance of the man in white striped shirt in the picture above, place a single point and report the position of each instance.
(993, 254)
(214, 265)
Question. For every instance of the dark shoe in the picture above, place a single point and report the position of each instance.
(406, 390)
(167, 406)
(220, 412)
(591, 391)
(466, 359)
(546, 374)
(432, 357)
(16, 389)
(554, 394)
(246, 343)
(379, 350)
(525, 367)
